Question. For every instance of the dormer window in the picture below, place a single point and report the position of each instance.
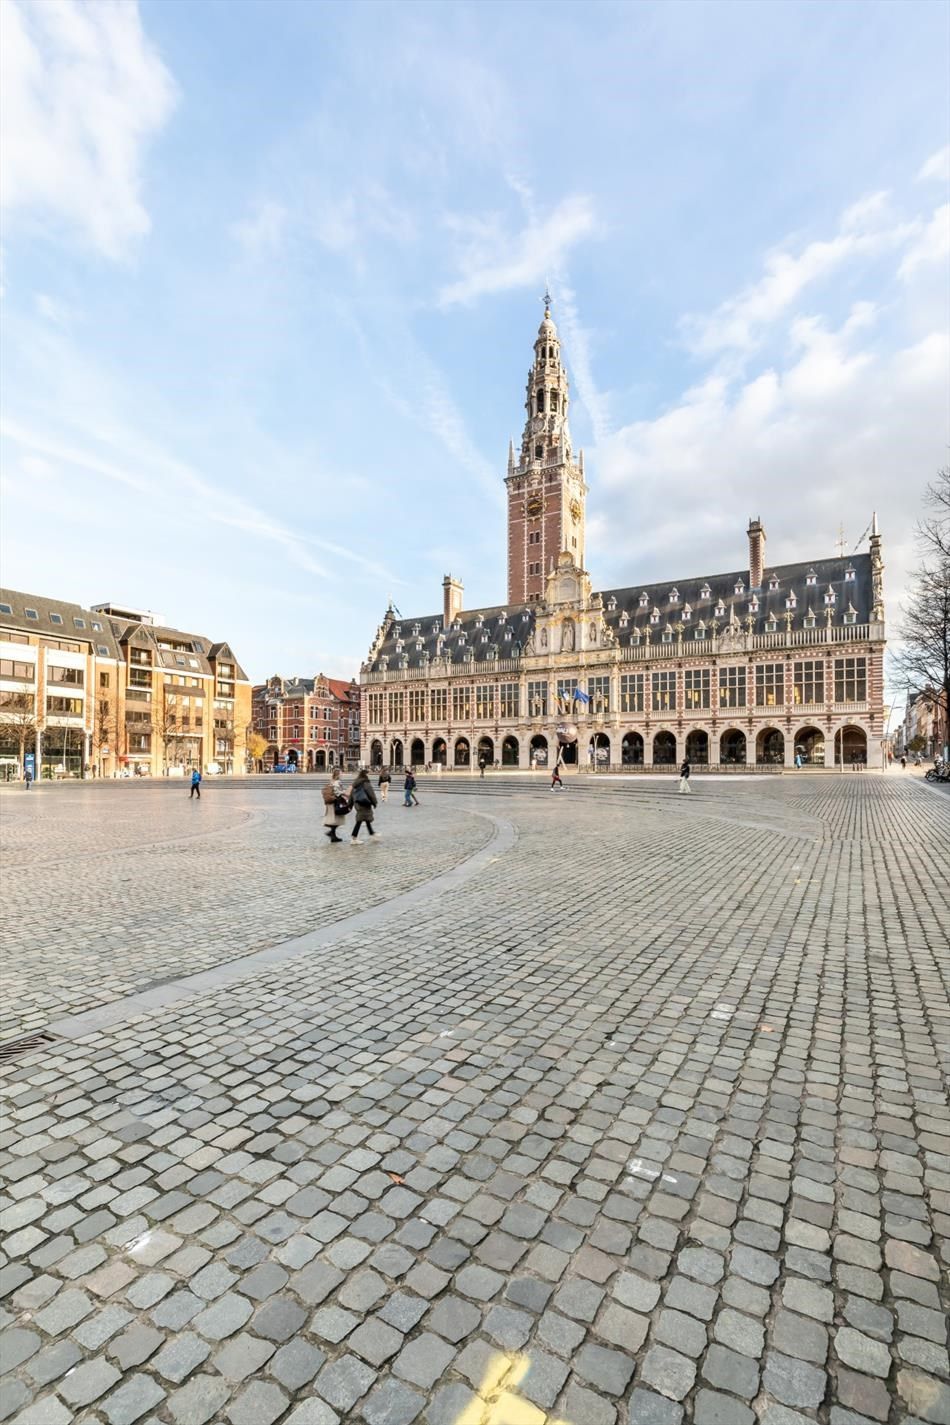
(501, 619)
(398, 645)
(507, 635)
(674, 596)
(740, 587)
(687, 613)
(770, 624)
(624, 619)
(773, 583)
(643, 601)
(700, 630)
(850, 615)
(720, 609)
(754, 604)
(830, 597)
(611, 604)
(479, 620)
(416, 629)
(668, 634)
(705, 592)
(655, 616)
(809, 620)
(811, 577)
(635, 636)
(849, 574)
(791, 601)
(456, 625)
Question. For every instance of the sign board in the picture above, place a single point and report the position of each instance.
(29, 763)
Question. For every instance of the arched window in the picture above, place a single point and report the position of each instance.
(540, 403)
(538, 452)
(553, 400)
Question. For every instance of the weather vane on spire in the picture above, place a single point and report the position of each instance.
(547, 297)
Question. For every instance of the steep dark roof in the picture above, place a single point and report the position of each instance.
(77, 623)
(502, 631)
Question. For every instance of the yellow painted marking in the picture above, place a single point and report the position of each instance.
(497, 1403)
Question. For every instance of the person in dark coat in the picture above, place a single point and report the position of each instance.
(385, 778)
(409, 787)
(684, 776)
(334, 807)
(363, 802)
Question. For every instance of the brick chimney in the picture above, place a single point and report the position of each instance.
(451, 600)
(756, 553)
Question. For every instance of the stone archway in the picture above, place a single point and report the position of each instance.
(851, 747)
(598, 751)
(320, 760)
(664, 750)
(376, 753)
(697, 748)
(510, 752)
(732, 748)
(463, 752)
(293, 757)
(486, 751)
(631, 750)
(539, 750)
(809, 745)
(417, 752)
(440, 752)
(769, 748)
(396, 753)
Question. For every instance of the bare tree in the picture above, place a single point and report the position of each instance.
(18, 723)
(105, 733)
(924, 657)
(169, 724)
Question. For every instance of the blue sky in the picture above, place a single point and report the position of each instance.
(272, 272)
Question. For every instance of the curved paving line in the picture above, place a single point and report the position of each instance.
(75, 1026)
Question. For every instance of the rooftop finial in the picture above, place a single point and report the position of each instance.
(547, 299)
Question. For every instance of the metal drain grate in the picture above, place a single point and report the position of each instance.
(15, 1047)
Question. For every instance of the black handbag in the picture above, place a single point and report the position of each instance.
(341, 805)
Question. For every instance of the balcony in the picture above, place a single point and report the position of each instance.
(138, 695)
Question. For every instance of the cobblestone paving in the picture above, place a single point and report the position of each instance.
(646, 1124)
(112, 888)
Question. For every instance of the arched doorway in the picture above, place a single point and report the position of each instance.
(697, 748)
(509, 752)
(539, 750)
(320, 760)
(598, 752)
(271, 756)
(330, 757)
(631, 750)
(664, 750)
(851, 747)
(396, 753)
(486, 751)
(463, 754)
(376, 754)
(732, 748)
(769, 748)
(440, 753)
(417, 752)
(810, 747)
(293, 757)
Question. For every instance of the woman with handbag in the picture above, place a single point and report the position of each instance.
(335, 807)
(363, 802)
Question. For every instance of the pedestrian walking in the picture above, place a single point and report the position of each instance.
(684, 776)
(903, 764)
(335, 807)
(363, 802)
(409, 787)
(195, 785)
(481, 766)
(28, 778)
(384, 780)
(556, 783)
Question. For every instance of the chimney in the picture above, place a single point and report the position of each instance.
(756, 553)
(451, 600)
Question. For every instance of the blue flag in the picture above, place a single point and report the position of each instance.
(581, 696)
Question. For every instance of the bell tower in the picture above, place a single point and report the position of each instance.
(546, 489)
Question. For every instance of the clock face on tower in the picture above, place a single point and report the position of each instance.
(575, 511)
(535, 506)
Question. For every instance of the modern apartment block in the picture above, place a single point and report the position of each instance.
(110, 691)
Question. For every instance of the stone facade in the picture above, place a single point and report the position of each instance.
(766, 666)
(108, 692)
(310, 724)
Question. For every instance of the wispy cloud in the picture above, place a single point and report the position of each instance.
(936, 167)
(739, 324)
(262, 233)
(82, 91)
(494, 260)
(932, 245)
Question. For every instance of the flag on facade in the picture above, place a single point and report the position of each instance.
(582, 697)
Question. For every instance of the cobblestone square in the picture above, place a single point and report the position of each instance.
(597, 1107)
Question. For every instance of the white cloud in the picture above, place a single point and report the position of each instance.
(494, 260)
(82, 90)
(865, 230)
(931, 245)
(936, 167)
(342, 224)
(262, 233)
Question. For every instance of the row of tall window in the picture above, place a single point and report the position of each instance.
(763, 686)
